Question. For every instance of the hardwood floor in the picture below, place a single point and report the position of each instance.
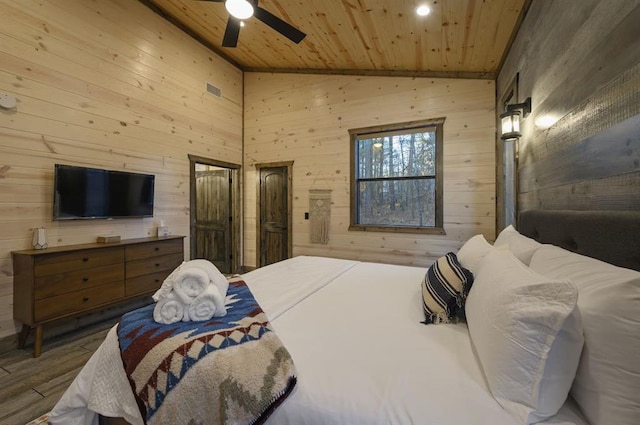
(32, 386)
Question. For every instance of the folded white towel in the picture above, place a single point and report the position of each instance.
(168, 310)
(212, 271)
(189, 283)
(193, 280)
(207, 305)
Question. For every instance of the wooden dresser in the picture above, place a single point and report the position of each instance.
(66, 281)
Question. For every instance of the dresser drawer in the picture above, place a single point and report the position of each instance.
(77, 301)
(145, 283)
(77, 260)
(154, 249)
(62, 283)
(152, 265)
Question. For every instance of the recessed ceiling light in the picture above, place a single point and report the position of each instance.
(423, 10)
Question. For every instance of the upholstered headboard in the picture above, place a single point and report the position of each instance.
(611, 236)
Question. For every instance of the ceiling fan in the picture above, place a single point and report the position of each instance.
(239, 10)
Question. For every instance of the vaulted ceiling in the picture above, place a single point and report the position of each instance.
(458, 38)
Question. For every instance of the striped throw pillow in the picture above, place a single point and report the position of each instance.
(444, 289)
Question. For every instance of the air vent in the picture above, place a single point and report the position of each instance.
(214, 90)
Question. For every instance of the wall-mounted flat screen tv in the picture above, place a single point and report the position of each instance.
(92, 193)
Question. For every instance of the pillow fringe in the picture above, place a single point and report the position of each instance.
(438, 318)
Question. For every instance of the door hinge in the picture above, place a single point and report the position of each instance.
(230, 219)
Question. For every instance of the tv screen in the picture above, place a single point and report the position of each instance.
(88, 193)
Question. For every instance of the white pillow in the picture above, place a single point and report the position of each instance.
(473, 251)
(521, 246)
(527, 335)
(607, 384)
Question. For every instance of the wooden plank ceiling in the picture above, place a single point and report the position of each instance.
(458, 38)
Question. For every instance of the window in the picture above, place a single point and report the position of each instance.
(396, 177)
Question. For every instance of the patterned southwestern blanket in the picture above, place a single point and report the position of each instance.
(228, 370)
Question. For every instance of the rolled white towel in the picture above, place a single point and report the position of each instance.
(189, 283)
(168, 310)
(207, 305)
(212, 271)
(167, 284)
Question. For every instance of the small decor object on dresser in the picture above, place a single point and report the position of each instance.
(108, 239)
(163, 230)
(39, 238)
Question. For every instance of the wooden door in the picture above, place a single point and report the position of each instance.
(274, 226)
(213, 217)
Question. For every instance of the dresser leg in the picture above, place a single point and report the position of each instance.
(37, 343)
(24, 334)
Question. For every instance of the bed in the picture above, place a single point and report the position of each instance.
(363, 356)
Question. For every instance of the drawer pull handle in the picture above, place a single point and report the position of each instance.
(85, 259)
(157, 264)
(157, 248)
(157, 280)
(85, 279)
(85, 299)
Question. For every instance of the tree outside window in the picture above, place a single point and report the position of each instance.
(396, 176)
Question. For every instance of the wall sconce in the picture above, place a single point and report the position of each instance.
(510, 119)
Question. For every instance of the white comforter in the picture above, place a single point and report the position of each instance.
(362, 355)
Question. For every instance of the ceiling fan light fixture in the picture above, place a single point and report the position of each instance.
(240, 9)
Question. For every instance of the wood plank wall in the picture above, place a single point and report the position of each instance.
(306, 118)
(105, 84)
(580, 63)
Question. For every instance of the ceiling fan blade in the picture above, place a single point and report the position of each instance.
(231, 33)
(279, 25)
